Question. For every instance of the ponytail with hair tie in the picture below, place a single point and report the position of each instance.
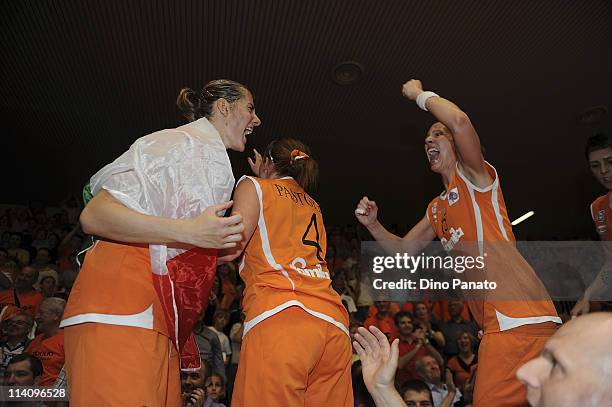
(298, 155)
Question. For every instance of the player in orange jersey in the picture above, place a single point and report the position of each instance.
(599, 155)
(296, 349)
(472, 209)
(149, 276)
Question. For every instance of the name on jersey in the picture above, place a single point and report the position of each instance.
(455, 236)
(297, 197)
(299, 265)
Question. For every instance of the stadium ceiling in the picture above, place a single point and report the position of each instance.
(81, 80)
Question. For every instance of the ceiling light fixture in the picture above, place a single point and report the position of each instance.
(522, 218)
(347, 73)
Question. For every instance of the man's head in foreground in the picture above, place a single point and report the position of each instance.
(575, 366)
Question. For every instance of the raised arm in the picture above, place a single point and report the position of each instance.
(600, 289)
(106, 217)
(412, 243)
(467, 142)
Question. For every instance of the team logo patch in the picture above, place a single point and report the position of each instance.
(453, 196)
(601, 215)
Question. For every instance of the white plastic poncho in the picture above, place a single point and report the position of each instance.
(175, 173)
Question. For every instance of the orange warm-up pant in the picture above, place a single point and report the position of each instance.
(500, 355)
(110, 365)
(294, 359)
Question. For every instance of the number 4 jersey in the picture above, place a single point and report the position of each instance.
(284, 262)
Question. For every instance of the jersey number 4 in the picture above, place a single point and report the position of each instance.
(314, 243)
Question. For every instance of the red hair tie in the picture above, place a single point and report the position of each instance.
(298, 155)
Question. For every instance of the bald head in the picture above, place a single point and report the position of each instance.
(575, 366)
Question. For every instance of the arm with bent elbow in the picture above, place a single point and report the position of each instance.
(108, 218)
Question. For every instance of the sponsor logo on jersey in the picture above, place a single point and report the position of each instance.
(601, 215)
(299, 265)
(453, 196)
(455, 236)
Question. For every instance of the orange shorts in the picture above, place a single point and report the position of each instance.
(294, 359)
(500, 355)
(110, 365)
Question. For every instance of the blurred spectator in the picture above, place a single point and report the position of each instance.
(210, 347)
(226, 273)
(68, 247)
(413, 345)
(15, 250)
(432, 329)
(8, 269)
(17, 328)
(334, 263)
(48, 346)
(236, 342)
(215, 391)
(42, 259)
(444, 394)
(220, 320)
(339, 285)
(3, 255)
(417, 394)
(6, 240)
(23, 370)
(47, 283)
(23, 295)
(383, 319)
(455, 327)
(464, 363)
(193, 385)
(40, 238)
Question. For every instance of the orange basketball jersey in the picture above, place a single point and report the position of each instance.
(284, 262)
(601, 213)
(470, 215)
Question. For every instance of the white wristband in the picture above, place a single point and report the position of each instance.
(422, 99)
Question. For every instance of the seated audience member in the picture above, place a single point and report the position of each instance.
(444, 394)
(464, 363)
(453, 328)
(220, 320)
(215, 391)
(378, 365)
(24, 295)
(23, 370)
(417, 394)
(4, 256)
(423, 315)
(575, 366)
(42, 259)
(15, 250)
(47, 283)
(48, 346)
(383, 319)
(193, 385)
(412, 346)
(18, 326)
(210, 347)
(339, 285)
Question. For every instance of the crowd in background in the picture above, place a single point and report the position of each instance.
(39, 252)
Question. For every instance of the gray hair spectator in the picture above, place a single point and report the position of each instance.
(575, 366)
